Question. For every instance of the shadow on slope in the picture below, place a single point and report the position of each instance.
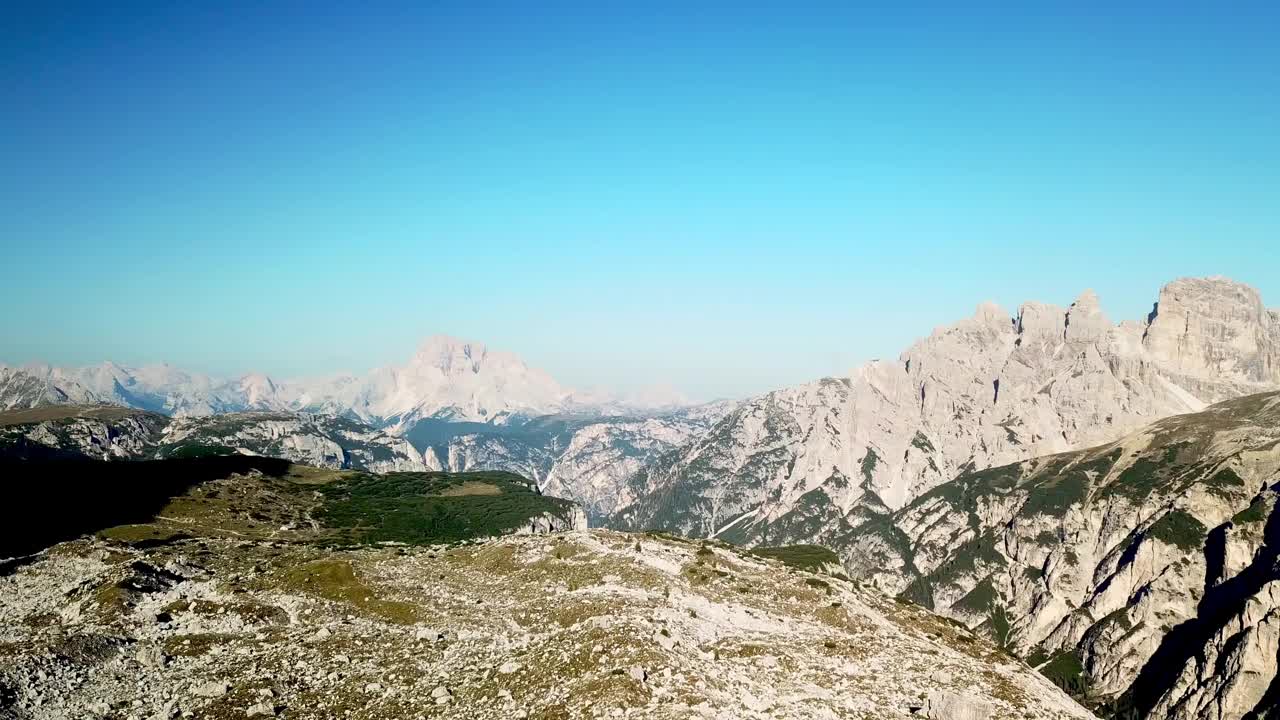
(1219, 605)
(44, 502)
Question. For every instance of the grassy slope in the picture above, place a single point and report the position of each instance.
(813, 558)
(255, 497)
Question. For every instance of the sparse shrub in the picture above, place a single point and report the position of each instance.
(817, 584)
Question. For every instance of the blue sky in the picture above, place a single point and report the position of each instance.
(727, 198)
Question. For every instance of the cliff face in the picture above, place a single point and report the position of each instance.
(1150, 561)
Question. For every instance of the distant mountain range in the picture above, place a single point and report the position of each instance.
(447, 379)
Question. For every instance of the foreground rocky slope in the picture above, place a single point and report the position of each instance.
(224, 605)
(815, 462)
(107, 433)
(1142, 573)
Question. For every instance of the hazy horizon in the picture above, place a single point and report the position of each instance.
(726, 200)
(621, 389)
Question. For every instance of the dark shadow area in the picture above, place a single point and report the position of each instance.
(22, 449)
(1218, 605)
(11, 565)
(43, 502)
(1215, 555)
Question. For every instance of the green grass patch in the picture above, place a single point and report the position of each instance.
(1145, 475)
(1255, 513)
(336, 580)
(921, 443)
(980, 599)
(428, 508)
(1047, 538)
(1067, 672)
(1037, 656)
(195, 450)
(1179, 529)
(868, 464)
(1057, 495)
(802, 557)
(1223, 482)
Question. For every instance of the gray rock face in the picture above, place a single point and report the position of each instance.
(102, 433)
(784, 450)
(813, 463)
(316, 440)
(1214, 328)
(20, 389)
(573, 519)
(943, 705)
(1150, 562)
(114, 433)
(586, 460)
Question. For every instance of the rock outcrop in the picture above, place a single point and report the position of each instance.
(115, 433)
(97, 432)
(317, 440)
(571, 520)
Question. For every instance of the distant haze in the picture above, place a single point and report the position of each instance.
(723, 200)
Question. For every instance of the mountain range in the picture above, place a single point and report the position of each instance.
(446, 379)
(819, 460)
(1094, 497)
(811, 462)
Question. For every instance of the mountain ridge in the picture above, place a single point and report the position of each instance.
(820, 458)
(446, 378)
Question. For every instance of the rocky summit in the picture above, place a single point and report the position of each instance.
(288, 592)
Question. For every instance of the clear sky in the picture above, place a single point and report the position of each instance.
(726, 197)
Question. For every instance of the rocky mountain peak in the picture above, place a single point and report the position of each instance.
(259, 390)
(1085, 322)
(1041, 320)
(450, 355)
(1214, 327)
